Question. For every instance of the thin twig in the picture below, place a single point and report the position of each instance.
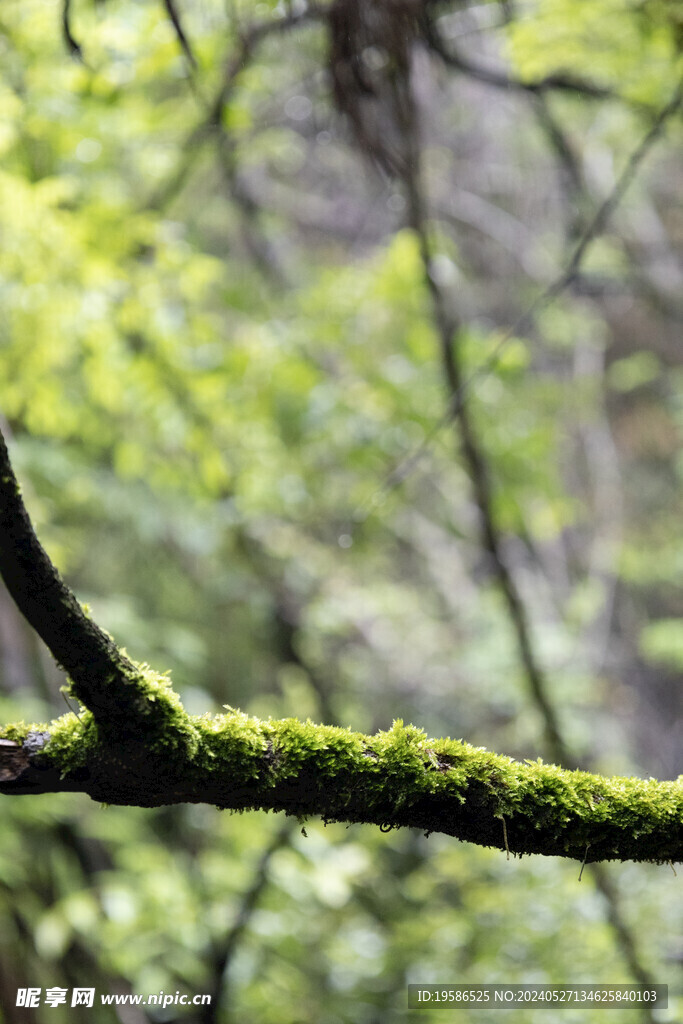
(184, 42)
(607, 208)
(249, 39)
(72, 43)
(574, 192)
(502, 80)
(505, 837)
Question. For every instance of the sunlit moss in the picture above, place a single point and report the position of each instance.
(394, 778)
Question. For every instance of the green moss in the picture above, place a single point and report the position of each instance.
(155, 715)
(396, 777)
(74, 741)
(18, 731)
(403, 762)
(154, 718)
(233, 742)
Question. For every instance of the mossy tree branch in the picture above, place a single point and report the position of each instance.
(393, 779)
(136, 745)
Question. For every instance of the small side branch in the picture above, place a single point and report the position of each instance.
(125, 700)
(249, 39)
(499, 79)
(72, 43)
(183, 41)
(602, 215)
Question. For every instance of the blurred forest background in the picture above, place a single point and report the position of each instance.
(223, 381)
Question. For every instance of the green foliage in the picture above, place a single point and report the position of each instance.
(663, 641)
(632, 47)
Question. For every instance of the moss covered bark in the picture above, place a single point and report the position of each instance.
(397, 778)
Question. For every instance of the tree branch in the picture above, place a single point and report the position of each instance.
(393, 779)
(183, 41)
(499, 79)
(249, 39)
(151, 753)
(74, 47)
(124, 698)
